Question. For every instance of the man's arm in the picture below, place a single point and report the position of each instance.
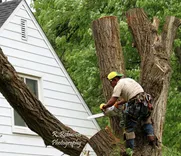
(121, 101)
(113, 100)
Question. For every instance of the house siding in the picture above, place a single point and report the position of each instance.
(34, 57)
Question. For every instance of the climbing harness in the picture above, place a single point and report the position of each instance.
(140, 106)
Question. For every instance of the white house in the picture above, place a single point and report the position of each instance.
(29, 51)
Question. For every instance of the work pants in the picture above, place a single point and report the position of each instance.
(130, 125)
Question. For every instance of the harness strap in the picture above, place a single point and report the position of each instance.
(140, 106)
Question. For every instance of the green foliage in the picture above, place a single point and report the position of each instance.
(129, 151)
(134, 74)
(172, 126)
(84, 69)
(172, 129)
(170, 152)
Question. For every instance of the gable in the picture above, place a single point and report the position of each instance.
(36, 57)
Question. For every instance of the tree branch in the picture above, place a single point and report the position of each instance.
(169, 32)
(104, 143)
(36, 116)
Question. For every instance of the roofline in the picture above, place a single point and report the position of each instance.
(9, 18)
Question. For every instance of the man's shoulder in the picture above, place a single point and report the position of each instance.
(126, 79)
(122, 81)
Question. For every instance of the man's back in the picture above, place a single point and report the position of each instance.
(127, 88)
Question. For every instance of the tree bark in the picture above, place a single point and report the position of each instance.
(104, 143)
(155, 51)
(110, 56)
(36, 116)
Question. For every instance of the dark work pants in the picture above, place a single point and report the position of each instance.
(130, 125)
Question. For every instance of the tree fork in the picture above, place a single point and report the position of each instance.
(36, 116)
(105, 143)
(155, 51)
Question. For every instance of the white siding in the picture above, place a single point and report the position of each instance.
(35, 57)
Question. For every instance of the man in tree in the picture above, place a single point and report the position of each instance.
(138, 104)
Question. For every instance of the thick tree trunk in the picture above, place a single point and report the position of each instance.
(104, 143)
(36, 116)
(110, 57)
(155, 51)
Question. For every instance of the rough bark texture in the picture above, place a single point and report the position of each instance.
(104, 143)
(36, 116)
(155, 51)
(110, 57)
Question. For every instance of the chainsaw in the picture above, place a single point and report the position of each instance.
(111, 111)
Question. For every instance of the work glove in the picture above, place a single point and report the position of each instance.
(119, 106)
(116, 104)
(102, 105)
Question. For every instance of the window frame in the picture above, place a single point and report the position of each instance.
(25, 129)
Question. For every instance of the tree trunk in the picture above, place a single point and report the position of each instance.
(110, 57)
(104, 143)
(155, 51)
(36, 116)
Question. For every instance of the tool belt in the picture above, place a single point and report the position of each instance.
(140, 106)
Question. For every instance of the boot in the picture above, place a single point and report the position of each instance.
(151, 140)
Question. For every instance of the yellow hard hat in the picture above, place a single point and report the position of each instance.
(113, 74)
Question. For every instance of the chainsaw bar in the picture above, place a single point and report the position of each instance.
(95, 116)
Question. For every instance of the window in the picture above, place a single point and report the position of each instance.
(32, 84)
(23, 29)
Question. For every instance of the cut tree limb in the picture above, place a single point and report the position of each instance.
(104, 143)
(40, 120)
(36, 116)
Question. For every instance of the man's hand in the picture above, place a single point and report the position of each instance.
(102, 106)
(119, 105)
(116, 104)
